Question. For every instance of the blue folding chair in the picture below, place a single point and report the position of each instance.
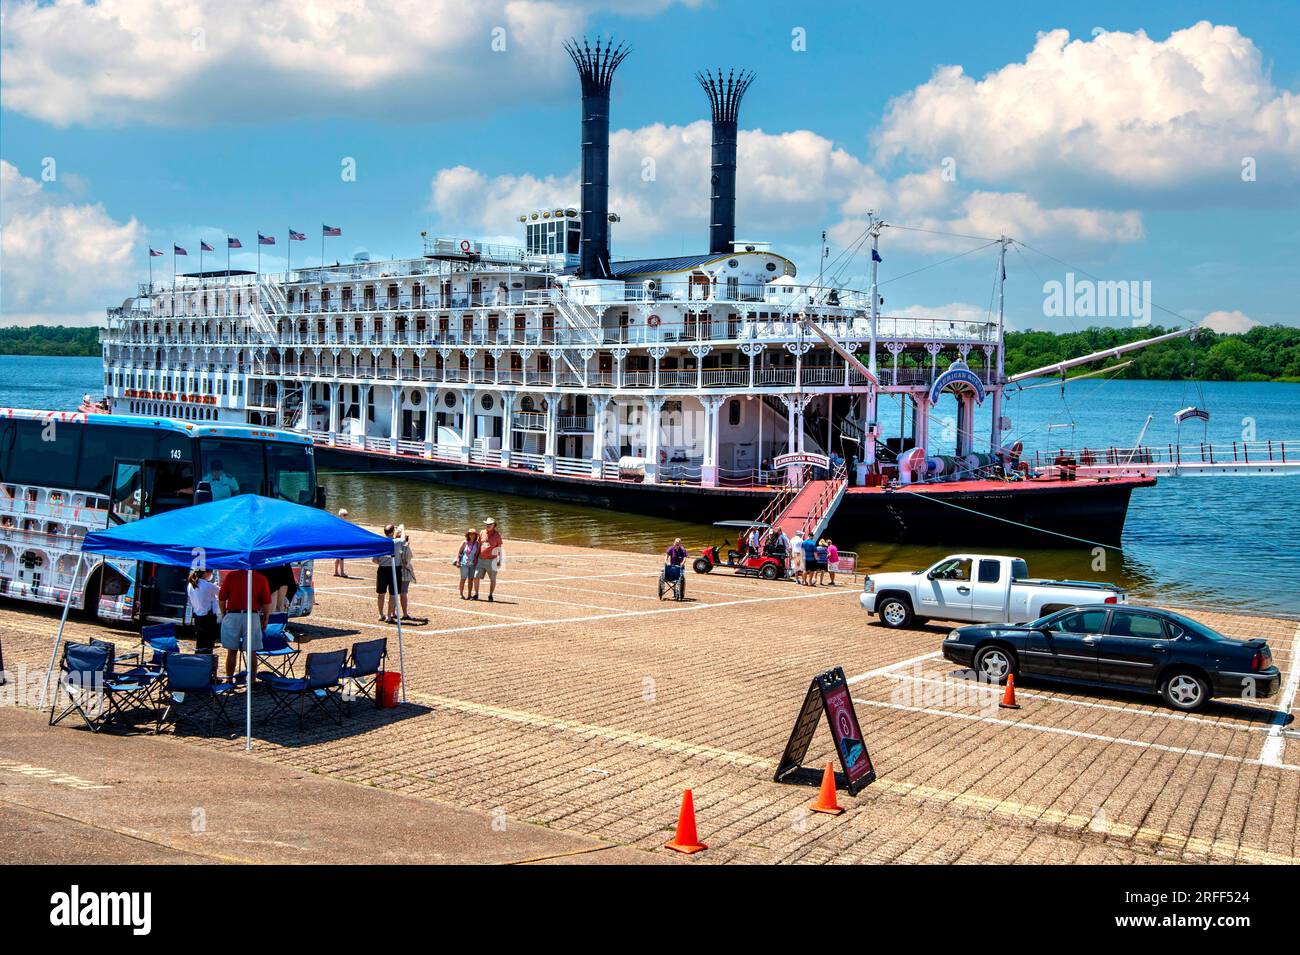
(195, 676)
(94, 691)
(276, 652)
(320, 686)
(362, 671)
(156, 642)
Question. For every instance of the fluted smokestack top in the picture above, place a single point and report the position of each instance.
(596, 64)
(725, 93)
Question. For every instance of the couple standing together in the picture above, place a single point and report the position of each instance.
(479, 556)
(394, 576)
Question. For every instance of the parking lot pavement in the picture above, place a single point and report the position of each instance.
(73, 797)
(581, 702)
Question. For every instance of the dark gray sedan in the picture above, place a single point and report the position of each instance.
(1130, 648)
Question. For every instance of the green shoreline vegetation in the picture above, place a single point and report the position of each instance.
(1265, 353)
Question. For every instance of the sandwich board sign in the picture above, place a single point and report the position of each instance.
(829, 694)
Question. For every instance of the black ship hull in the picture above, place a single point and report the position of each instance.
(1056, 514)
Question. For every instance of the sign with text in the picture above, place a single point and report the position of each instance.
(828, 693)
(796, 458)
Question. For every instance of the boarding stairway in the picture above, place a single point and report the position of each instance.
(809, 509)
(268, 301)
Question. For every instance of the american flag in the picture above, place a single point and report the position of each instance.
(233, 243)
(153, 251)
(204, 247)
(297, 236)
(177, 250)
(330, 230)
(265, 239)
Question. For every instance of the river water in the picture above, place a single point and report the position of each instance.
(1227, 542)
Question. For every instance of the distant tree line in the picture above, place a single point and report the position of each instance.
(1265, 353)
(49, 340)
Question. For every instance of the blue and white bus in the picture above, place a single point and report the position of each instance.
(63, 474)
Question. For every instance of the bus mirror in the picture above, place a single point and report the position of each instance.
(204, 493)
(320, 495)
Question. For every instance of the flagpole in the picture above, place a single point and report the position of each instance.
(173, 278)
(288, 255)
(259, 257)
(322, 250)
(150, 271)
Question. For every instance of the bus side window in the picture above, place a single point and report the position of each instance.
(7, 432)
(45, 453)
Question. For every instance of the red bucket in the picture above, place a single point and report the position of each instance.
(388, 689)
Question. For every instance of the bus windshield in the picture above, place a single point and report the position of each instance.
(230, 466)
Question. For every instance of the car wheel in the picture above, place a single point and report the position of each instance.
(1185, 691)
(702, 565)
(995, 663)
(895, 612)
(770, 572)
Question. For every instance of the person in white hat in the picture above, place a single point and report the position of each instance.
(489, 558)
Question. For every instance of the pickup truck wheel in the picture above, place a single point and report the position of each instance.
(994, 664)
(1185, 691)
(895, 612)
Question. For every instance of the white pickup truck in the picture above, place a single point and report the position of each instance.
(976, 588)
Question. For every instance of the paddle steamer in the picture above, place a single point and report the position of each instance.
(702, 386)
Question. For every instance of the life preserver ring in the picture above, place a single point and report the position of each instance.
(653, 321)
(465, 245)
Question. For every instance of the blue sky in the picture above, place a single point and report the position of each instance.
(1120, 153)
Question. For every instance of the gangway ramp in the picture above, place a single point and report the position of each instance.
(810, 511)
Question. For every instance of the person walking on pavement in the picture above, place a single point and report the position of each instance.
(339, 569)
(489, 558)
(465, 562)
(389, 564)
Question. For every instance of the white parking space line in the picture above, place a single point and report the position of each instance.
(1076, 734)
(1274, 747)
(1090, 704)
(882, 671)
(470, 610)
(686, 608)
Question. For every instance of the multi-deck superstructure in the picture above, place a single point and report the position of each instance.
(671, 385)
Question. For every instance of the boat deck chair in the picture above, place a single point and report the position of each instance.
(89, 687)
(362, 671)
(321, 685)
(195, 676)
(276, 654)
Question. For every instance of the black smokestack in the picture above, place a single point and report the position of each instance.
(725, 94)
(596, 66)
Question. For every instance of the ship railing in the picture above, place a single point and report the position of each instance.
(1236, 452)
(527, 460)
(774, 376)
(638, 379)
(609, 470)
(575, 424)
(678, 379)
(679, 472)
(573, 467)
(726, 376)
(407, 446)
(529, 420)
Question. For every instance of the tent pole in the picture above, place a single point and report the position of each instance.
(58, 640)
(397, 599)
(249, 657)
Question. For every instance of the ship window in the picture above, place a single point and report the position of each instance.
(733, 413)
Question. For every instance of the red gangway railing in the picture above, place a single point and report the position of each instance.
(829, 492)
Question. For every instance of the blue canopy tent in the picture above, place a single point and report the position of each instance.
(245, 532)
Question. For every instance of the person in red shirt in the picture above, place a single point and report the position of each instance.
(233, 599)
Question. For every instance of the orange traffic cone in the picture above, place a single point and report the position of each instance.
(686, 839)
(825, 801)
(1009, 695)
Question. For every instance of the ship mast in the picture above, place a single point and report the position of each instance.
(995, 437)
(869, 444)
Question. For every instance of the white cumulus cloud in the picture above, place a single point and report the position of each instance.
(60, 262)
(1118, 109)
(196, 62)
(1228, 323)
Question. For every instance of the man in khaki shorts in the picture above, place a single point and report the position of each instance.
(489, 558)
